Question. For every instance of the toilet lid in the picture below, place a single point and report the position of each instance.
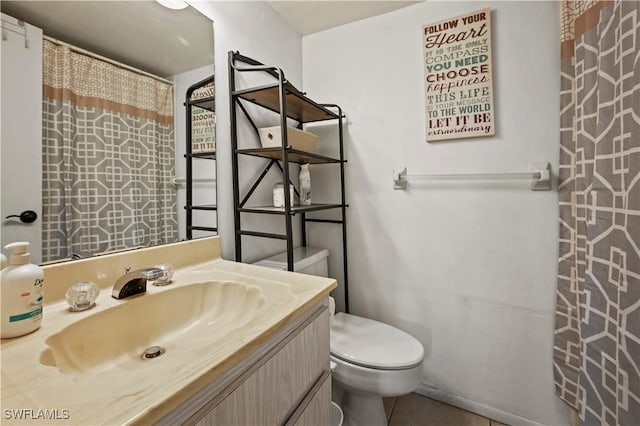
(372, 344)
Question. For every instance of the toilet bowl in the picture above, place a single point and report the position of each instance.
(372, 359)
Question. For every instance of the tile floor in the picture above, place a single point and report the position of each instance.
(418, 410)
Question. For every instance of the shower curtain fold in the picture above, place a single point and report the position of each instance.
(597, 327)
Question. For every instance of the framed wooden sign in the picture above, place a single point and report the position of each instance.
(458, 77)
(203, 129)
(203, 124)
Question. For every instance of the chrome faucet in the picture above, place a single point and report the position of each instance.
(134, 282)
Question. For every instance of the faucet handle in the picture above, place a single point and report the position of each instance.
(82, 296)
(167, 273)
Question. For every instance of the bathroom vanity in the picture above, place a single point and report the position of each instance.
(289, 384)
(243, 345)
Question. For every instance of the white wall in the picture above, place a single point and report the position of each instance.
(21, 148)
(257, 31)
(468, 269)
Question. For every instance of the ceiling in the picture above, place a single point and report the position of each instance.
(180, 40)
(311, 16)
(142, 34)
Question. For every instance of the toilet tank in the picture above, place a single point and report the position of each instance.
(306, 260)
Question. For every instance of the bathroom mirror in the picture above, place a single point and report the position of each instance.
(175, 45)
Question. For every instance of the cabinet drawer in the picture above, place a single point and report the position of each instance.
(271, 394)
(318, 411)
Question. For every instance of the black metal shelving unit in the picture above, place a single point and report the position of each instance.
(287, 102)
(206, 103)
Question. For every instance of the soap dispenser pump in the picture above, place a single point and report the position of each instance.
(22, 289)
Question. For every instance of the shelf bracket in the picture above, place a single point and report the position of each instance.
(400, 182)
(543, 182)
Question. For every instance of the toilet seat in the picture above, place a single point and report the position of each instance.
(372, 344)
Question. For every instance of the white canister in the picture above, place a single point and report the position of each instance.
(305, 185)
(278, 194)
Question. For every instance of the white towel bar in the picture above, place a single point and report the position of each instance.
(539, 175)
(182, 181)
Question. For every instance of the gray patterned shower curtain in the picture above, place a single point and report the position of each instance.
(108, 157)
(597, 329)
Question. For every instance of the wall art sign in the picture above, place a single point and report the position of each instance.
(203, 130)
(458, 81)
(203, 124)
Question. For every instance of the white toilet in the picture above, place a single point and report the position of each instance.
(373, 360)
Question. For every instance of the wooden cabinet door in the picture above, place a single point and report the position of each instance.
(271, 395)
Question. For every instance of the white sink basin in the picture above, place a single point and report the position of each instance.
(174, 318)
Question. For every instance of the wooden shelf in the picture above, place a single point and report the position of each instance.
(294, 209)
(202, 207)
(299, 107)
(206, 155)
(205, 103)
(294, 155)
(202, 228)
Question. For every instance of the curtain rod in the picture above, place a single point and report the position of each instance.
(105, 59)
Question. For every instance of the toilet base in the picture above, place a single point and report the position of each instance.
(359, 408)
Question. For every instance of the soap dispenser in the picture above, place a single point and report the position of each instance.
(22, 289)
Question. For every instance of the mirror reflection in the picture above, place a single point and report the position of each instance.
(97, 132)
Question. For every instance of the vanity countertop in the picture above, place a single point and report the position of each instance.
(43, 394)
